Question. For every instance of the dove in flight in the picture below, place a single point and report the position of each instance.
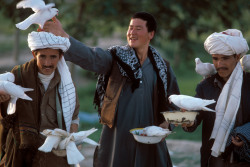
(245, 62)
(204, 69)
(191, 103)
(42, 13)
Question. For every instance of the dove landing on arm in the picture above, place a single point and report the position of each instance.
(204, 69)
(190, 103)
(42, 13)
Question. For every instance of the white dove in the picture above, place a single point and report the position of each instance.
(73, 154)
(42, 13)
(245, 62)
(190, 103)
(15, 92)
(53, 139)
(155, 131)
(8, 76)
(204, 69)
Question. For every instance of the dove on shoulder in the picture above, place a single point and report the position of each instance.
(204, 69)
(191, 103)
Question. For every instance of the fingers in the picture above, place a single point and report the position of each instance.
(237, 141)
(164, 125)
(4, 97)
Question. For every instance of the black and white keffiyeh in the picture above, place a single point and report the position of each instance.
(130, 67)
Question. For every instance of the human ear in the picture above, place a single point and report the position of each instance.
(33, 53)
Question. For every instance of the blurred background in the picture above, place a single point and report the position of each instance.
(183, 25)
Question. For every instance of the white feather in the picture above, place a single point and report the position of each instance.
(204, 69)
(245, 62)
(42, 13)
(15, 90)
(190, 103)
(74, 156)
(50, 142)
(155, 131)
(8, 76)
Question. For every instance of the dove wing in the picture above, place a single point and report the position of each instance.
(27, 22)
(73, 154)
(36, 5)
(189, 103)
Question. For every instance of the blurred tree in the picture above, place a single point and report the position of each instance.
(8, 8)
(182, 22)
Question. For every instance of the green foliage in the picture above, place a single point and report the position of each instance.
(86, 96)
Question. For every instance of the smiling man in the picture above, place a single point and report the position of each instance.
(225, 134)
(54, 104)
(132, 91)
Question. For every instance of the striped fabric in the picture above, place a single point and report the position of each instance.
(42, 40)
(67, 93)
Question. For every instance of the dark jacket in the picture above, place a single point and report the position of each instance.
(20, 147)
(210, 89)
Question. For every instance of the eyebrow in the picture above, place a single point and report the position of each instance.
(135, 26)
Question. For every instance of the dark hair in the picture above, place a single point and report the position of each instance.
(151, 22)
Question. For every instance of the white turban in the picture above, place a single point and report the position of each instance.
(42, 40)
(228, 42)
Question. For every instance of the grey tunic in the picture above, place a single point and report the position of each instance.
(134, 110)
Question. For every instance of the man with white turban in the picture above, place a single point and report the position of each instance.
(54, 104)
(226, 133)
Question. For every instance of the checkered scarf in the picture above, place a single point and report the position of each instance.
(130, 67)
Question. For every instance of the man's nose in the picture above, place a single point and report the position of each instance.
(220, 63)
(47, 62)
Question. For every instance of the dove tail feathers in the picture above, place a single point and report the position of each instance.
(74, 156)
(207, 109)
(210, 101)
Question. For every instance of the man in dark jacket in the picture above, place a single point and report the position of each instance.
(221, 145)
(132, 91)
(53, 91)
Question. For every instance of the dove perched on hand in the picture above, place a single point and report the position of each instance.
(190, 103)
(42, 13)
(245, 62)
(8, 76)
(15, 91)
(155, 131)
(204, 69)
(53, 139)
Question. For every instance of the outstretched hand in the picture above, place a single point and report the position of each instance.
(55, 27)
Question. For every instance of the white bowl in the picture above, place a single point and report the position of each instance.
(139, 136)
(179, 117)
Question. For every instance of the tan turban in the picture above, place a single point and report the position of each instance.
(228, 42)
(42, 40)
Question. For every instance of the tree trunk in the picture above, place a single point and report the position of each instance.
(16, 49)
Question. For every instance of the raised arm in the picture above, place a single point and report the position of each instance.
(92, 59)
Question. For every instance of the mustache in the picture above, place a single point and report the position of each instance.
(221, 68)
(48, 67)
